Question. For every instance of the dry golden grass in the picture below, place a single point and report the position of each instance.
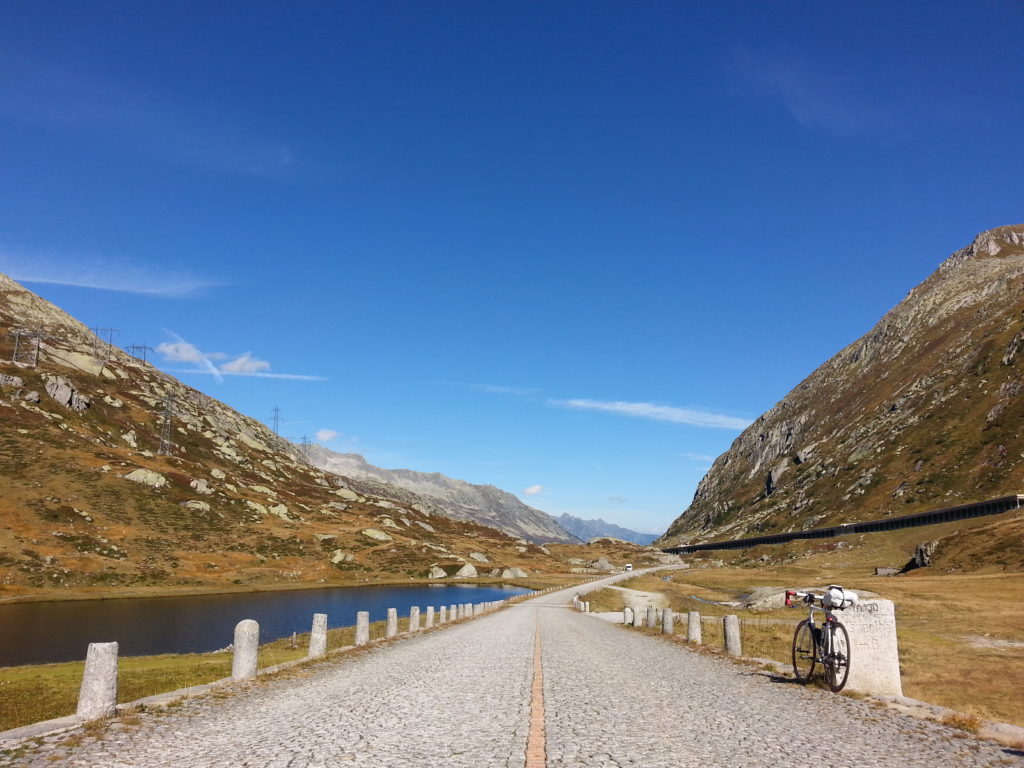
(959, 634)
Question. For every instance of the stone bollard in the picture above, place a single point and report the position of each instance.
(693, 634)
(430, 617)
(657, 615)
(98, 695)
(652, 617)
(668, 619)
(247, 643)
(392, 625)
(731, 627)
(318, 636)
(875, 667)
(627, 616)
(362, 627)
(638, 618)
(453, 612)
(414, 619)
(442, 616)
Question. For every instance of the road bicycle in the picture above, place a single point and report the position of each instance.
(827, 644)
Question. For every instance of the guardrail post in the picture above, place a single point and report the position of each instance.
(392, 625)
(627, 616)
(693, 633)
(638, 617)
(318, 636)
(667, 622)
(414, 619)
(652, 617)
(430, 617)
(98, 695)
(442, 617)
(362, 627)
(731, 627)
(247, 643)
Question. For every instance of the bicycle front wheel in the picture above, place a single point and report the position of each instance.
(837, 661)
(804, 652)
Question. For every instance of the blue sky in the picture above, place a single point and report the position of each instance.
(567, 248)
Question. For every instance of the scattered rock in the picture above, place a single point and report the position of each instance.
(602, 564)
(387, 522)
(468, 571)
(514, 573)
(32, 397)
(340, 557)
(378, 535)
(436, 572)
(924, 553)
(218, 474)
(147, 477)
(11, 381)
(346, 494)
(201, 506)
(480, 557)
(129, 437)
(113, 402)
(425, 526)
(200, 486)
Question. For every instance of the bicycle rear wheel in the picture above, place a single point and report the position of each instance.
(804, 652)
(837, 661)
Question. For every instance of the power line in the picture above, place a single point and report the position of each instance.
(102, 348)
(138, 350)
(275, 420)
(165, 427)
(27, 342)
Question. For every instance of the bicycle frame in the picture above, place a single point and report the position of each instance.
(835, 660)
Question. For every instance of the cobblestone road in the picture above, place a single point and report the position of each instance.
(461, 697)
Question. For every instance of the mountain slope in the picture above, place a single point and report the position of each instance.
(592, 529)
(923, 411)
(456, 498)
(88, 498)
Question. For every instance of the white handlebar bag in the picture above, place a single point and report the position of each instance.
(837, 598)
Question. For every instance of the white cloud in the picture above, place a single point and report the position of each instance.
(96, 272)
(245, 363)
(326, 435)
(533, 490)
(834, 103)
(180, 351)
(656, 413)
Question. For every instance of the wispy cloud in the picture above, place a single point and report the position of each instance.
(656, 413)
(617, 499)
(701, 457)
(182, 351)
(496, 389)
(815, 98)
(533, 490)
(99, 273)
(99, 110)
(326, 435)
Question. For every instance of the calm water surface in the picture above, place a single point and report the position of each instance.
(37, 633)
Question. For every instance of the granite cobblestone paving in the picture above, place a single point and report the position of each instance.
(461, 697)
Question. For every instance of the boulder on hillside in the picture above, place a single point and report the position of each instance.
(602, 564)
(61, 390)
(199, 506)
(480, 557)
(11, 381)
(378, 535)
(146, 477)
(514, 573)
(200, 486)
(468, 571)
(339, 557)
(436, 572)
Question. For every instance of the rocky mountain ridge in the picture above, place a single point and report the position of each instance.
(484, 504)
(592, 529)
(923, 411)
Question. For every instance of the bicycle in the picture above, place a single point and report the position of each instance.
(828, 644)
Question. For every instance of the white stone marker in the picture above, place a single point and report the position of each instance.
(414, 619)
(392, 625)
(362, 627)
(247, 643)
(693, 634)
(318, 636)
(667, 622)
(874, 655)
(627, 616)
(453, 612)
(652, 617)
(443, 615)
(98, 695)
(731, 627)
(638, 618)
(430, 617)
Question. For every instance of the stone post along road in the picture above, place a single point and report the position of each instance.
(465, 696)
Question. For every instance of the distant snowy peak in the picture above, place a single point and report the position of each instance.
(455, 498)
(591, 529)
